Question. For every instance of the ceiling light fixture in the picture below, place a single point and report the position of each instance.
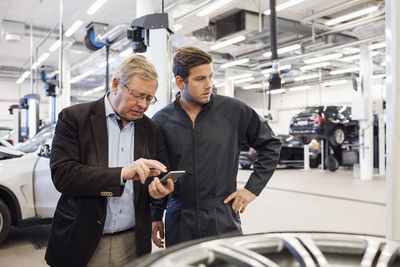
(95, 6)
(73, 28)
(104, 63)
(283, 6)
(217, 85)
(211, 8)
(332, 83)
(341, 71)
(86, 93)
(249, 79)
(98, 89)
(55, 46)
(284, 50)
(241, 76)
(231, 41)
(307, 77)
(299, 88)
(377, 46)
(352, 15)
(276, 91)
(253, 86)
(315, 66)
(83, 75)
(378, 76)
(234, 63)
(177, 27)
(323, 58)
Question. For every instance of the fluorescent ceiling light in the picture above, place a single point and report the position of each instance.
(55, 46)
(249, 79)
(351, 58)
(284, 50)
(241, 76)
(177, 27)
(307, 77)
(73, 28)
(35, 65)
(211, 8)
(231, 41)
(283, 6)
(234, 63)
(43, 57)
(219, 85)
(277, 91)
(282, 67)
(98, 89)
(350, 50)
(377, 46)
(383, 64)
(378, 76)
(96, 5)
(323, 58)
(299, 88)
(352, 15)
(315, 66)
(83, 75)
(104, 63)
(332, 83)
(126, 52)
(26, 74)
(52, 74)
(253, 86)
(87, 93)
(20, 80)
(341, 71)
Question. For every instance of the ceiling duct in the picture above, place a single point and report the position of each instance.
(240, 22)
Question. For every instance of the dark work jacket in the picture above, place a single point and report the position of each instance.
(208, 151)
(79, 169)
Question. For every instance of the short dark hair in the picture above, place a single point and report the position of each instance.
(188, 57)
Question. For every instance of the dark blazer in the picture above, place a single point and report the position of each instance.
(79, 169)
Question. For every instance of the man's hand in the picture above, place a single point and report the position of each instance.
(159, 190)
(242, 198)
(158, 227)
(141, 169)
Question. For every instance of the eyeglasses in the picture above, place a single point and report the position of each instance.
(139, 97)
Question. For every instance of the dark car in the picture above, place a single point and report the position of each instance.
(332, 123)
(279, 249)
(292, 154)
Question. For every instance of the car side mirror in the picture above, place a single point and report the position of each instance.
(45, 151)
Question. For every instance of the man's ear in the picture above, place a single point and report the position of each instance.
(115, 85)
(179, 82)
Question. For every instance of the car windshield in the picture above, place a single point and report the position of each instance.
(311, 110)
(45, 136)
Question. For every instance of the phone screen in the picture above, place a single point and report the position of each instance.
(174, 175)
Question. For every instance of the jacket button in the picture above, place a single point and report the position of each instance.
(98, 221)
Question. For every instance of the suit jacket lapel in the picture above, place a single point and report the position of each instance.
(99, 128)
(140, 149)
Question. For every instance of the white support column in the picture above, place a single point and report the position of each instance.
(366, 126)
(63, 100)
(145, 7)
(229, 88)
(306, 157)
(159, 53)
(393, 119)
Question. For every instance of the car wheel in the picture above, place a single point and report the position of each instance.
(305, 140)
(245, 166)
(337, 137)
(331, 163)
(5, 221)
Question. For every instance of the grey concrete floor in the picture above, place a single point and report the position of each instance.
(294, 200)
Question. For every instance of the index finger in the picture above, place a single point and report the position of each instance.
(230, 197)
(152, 163)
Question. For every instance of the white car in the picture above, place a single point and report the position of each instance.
(27, 192)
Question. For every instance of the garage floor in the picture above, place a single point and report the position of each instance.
(294, 200)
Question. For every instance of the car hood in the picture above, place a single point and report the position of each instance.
(9, 152)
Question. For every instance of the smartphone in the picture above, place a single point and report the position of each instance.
(174, 175)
